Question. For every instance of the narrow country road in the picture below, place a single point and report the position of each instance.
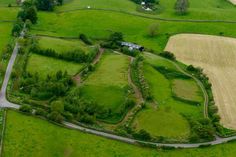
(4, 103)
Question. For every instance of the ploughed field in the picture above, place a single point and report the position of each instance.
(217, 56)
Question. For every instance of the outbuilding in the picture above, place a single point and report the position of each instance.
(132, 46)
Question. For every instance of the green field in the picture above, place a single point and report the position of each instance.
(152, 119)
(61, 45)
(46, 65)
(208, 9)
(5, 35)
(107, 86)
(187, 90)
(134, 29)
(27, 136)
(8, 13)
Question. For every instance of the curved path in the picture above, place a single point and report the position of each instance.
(4, 103)
(205, 94)
(150, 17)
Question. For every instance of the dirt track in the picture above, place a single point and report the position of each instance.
(217, 56)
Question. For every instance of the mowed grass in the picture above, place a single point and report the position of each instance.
(159, 121)
(47, 65)
(61, 45)
(27, 136)
(187, 90)
(107, 84)
(135, 29)
(152, 119)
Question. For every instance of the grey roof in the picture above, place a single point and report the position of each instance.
(131, 45)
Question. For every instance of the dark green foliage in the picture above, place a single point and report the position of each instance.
(47, 5)
(85, 39)
(138, 77)
(142, 135)
(201, 129)
(168, 55)
(181, 7)
(78, 56)
(29, 12)
(171, 74)
(40, 112)
(132, 53)
(113, 41)
(55, 116)
(17, 28)
(57, 106)
(26, 108)
(45, 89)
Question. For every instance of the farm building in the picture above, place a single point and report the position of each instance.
(132, 46)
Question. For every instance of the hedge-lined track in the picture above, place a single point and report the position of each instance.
(6, 104)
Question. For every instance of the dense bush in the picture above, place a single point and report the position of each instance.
(78, 55)
(142, 135)
(28, 12)
(25, 108)
(202, 129)
(113, 41)
(138, 78)
(85, 39)
(40, 112)
(168, 55)
(47, 5)
(53, 85)
(126, 51)
(17, 28)
(55, 116)
(181, 7)
(170, 73)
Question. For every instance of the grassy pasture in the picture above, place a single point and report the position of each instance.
(104, 4)
(27, 136)
(187, 90)
(158, 121)
(46, 65)
(5, 35)
(151, 119)
(208, 9)
(134, 29)
(107, 85)
(216, 55)
(8, 13)
(61, 45)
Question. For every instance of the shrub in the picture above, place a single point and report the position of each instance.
(26, 108)
(55, 116)
(85, 39)
(40, 112)
(168, 55)
(142, 135)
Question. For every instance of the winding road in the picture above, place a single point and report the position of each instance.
(4, 103)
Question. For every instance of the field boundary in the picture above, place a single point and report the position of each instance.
(148, 17)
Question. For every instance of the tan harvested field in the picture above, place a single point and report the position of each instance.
(217, 56)
(233, 1)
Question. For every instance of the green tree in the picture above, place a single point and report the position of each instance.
(57, 106)
(153, 29)
(181, 7)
